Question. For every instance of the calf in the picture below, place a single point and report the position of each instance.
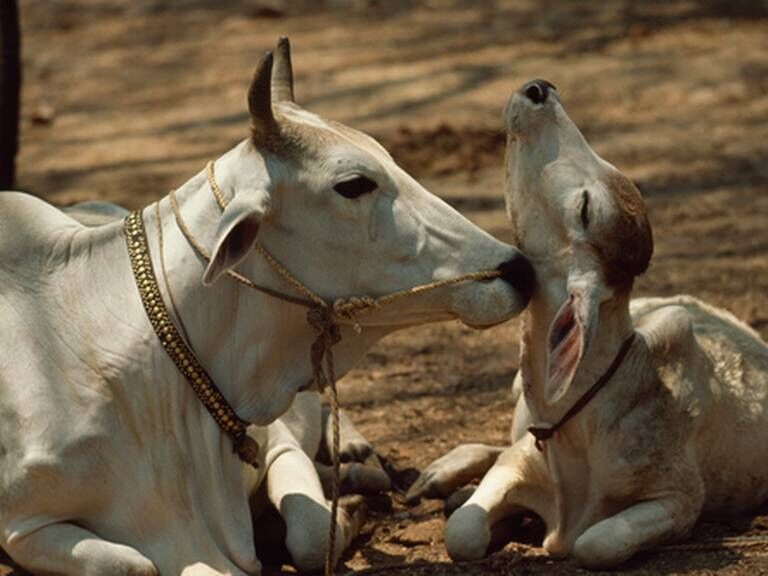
(635, 418)
(111, 464)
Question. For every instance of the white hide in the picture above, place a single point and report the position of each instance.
(678, 432)
(110, 464)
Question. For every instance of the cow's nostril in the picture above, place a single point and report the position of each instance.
(518, 272)
(537, 90)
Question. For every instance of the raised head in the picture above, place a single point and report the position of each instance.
(581, 221)
(333, 206)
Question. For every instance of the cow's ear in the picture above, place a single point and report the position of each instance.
(237, 232)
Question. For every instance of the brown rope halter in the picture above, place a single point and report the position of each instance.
(542, 431)
(322, 317)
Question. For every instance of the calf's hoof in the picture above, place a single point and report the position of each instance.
(468, 533)
(596, 555)
(458, 499)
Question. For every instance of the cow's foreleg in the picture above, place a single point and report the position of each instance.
(646, 524)
(294, 489)
(353, 446)
(356, 477)
(68, 550)
(518, 482)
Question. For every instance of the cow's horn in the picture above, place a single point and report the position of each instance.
(259, 97)
(282, 73)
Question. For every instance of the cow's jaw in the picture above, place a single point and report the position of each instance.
(255, 347)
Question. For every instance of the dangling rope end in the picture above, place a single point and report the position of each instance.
(247, 449)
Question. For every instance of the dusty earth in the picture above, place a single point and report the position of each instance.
(123, 100)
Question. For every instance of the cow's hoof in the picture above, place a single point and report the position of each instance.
(356, 512)
(362, 479)
(356, 449)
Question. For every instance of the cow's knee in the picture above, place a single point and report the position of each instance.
(308, 545)
(307, 555)
(308, 540)
(73, 551)
(114, 559)
(307, 533)
(468, 533)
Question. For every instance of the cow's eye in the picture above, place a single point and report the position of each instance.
(355, 187)
(584, 209)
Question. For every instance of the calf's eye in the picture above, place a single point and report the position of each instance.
(355, 187)
(584, 209)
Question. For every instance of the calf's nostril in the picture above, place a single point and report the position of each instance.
(519, 273)
(537, 90)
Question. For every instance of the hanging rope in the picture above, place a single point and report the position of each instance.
(321, 317)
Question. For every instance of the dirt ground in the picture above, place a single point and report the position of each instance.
(124, 100)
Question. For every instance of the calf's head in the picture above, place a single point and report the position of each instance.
(331, 204)
(581, 221)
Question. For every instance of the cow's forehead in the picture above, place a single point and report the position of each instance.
(318, 135)
(301, 117)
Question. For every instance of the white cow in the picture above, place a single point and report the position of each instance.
(110, 465)
(304, 432)
(679, 430)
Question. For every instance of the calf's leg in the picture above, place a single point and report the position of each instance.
(518, 482)
(64, 549)
(644, 525)
(450, 472)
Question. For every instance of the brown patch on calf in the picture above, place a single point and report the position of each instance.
(625, 250)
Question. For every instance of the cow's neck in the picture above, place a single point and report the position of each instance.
(614, 325)
(255, 347)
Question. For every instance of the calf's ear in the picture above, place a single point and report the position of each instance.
(570, 334)
(566, 347)
(237, 232)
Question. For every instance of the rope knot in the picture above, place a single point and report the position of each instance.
(350, 307)
(542, 432)
(320, 319)
(327, 335)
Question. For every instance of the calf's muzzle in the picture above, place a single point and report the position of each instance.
(537, 91)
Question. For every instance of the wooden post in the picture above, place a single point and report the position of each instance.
(10, 86)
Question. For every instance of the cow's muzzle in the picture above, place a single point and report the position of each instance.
(518, 272)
